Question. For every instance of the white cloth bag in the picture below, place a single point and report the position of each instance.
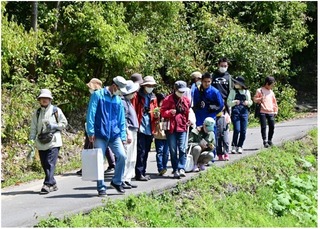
(92, 164)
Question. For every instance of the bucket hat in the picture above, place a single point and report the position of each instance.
(195, 75)
(240, 80)
(94, 84)
(45, 93)
(136, 78)
(131, 87)
(180, 86)
(148, 80)
(121, 83)
(209, 123)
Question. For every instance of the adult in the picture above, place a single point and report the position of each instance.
(106, 127)
(137, 78)
(144, 102)
(268, 109)
(222, 80)
(175, 108)
(207, 100)
(202, 142)
(239, 100)
(132, 133)
(196, 82)
(48, 121)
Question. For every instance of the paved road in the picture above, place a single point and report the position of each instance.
(22, 206)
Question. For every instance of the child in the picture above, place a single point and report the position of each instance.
(223, 121)
(268, 110)
(239, 100)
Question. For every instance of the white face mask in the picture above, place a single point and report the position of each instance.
(91, 91)
(222, 69)
(179, 94)
(149, 89)
(130, 96)
(198, 83)
(118, 92)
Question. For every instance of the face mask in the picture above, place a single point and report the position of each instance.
(149, 89)
(198, 83)
(118, 92)
(130, 96)
(222, 69)
(179, 94)
(91, 91)
(237, 86)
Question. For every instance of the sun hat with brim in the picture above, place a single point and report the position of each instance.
(240, 80)
(195, 75)
(94, 84)
(121, 83)
(131, 87)
(136, 78)
(148, 80)
(45, 93)
(180, 86)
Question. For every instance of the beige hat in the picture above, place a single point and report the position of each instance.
(121, 83)
(95, 84)
(196, 75)
(148, 80)
(45, 93)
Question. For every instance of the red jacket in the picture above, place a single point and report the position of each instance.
(178, 121)
(138, 102)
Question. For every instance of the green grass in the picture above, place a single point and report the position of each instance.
(242, 194)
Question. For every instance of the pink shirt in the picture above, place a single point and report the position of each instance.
(269, 103)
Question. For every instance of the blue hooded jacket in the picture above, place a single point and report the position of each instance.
(106, 117)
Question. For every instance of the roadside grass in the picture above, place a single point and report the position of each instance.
(275, 188)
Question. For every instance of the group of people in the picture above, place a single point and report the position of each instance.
(123, 119)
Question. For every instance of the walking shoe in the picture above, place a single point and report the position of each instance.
(265, 144)
(182, 173)
(130, 184)
(79, 172)
(109, 170)
(45, 189)
(148, 177)
(226, 157)
(270, 143)
(119, 188)
(141, 178)
(220, 158)
(53, 188)
(176, 175)
(195, 168)
(202, 167)
(162, 172)
(125, 186)
(240, 150)
(102, 193)
(233, 150)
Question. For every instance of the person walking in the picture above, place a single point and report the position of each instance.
(175, 108)
(223, 121)
(203, 143)
(268, 109)
(106, 127)
(46, 125)
(239, 100)
(132, 134)
(144, 102)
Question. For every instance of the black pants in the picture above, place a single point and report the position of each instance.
(264, 118)
(48, 160)
(143, 149)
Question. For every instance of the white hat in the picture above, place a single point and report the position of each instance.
(196, 75)
(121, 83)
(45, 93)
(131, 87)
(148, 80)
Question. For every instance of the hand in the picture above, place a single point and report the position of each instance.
(51, 126)
(202, 104)
(173, 111)
(237, 102)
(129, 137)
(92, 138)
(245, 103)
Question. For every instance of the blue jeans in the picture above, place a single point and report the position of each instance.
(177, 141)
(240, 122)
(117, 148)
(162, 153)
(48, 160)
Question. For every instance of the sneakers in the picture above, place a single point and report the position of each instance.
(141, 178)
(270, 143)
(233, 150)
(79, 172)
(45, 189)
(226, 157)
(125, 186)
(220, 158)
(240, 150)
(102, 193)
(130, 184)
(176, 175)
(162, 172)
(109, 170)
(182, 173)
(195, 168)
(202, 167)
(148, 177)
(265, 144)
(119, 188)
(53, 188)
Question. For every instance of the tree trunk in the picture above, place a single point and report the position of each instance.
(58, 9)
(34, 15)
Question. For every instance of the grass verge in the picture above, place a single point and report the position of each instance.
(275, 188)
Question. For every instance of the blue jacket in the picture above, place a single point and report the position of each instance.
(106, 117)
(213, 103)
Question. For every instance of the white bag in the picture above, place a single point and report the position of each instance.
(189, 163)
(92, 164)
